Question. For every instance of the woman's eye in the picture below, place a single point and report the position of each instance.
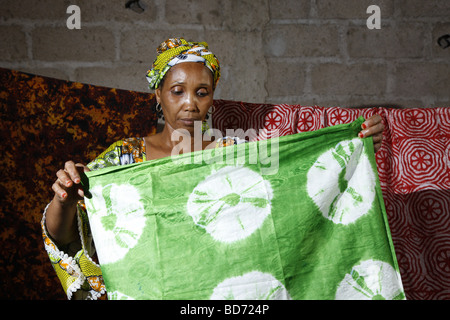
(177, 92)
(202, 93)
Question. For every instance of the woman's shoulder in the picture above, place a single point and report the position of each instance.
(121, 152)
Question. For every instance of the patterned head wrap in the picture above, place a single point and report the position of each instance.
(177, 50)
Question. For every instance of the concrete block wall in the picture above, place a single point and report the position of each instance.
(309, 52)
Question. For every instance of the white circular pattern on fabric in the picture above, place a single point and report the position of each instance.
(254, 285)
(371, 280)
(117, 295)
(341, 182)
(231, 203)
(117, 220)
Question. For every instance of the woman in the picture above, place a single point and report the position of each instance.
(184, 76)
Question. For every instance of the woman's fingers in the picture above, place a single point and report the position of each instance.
(373, 120)
(372, 131)
(377, 138)
(72, 171)
(68, 187)
(60, 192)
(372, 127)
(64, 178)
(85, 169)
(377, 141)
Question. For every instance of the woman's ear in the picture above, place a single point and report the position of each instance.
(158, 95)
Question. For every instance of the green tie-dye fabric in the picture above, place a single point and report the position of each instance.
(294, 217)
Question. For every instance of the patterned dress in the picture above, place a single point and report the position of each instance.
(75, 264)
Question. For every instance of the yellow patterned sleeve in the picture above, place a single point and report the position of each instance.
(80, 276)
(109, 157)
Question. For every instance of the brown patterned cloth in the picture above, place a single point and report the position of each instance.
(45, 122)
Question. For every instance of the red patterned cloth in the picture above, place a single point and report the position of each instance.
(413, 167)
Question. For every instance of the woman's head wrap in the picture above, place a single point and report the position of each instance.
(177, 50)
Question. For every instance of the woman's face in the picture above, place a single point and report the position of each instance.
(186, 95)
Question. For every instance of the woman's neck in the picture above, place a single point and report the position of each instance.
(171, 142)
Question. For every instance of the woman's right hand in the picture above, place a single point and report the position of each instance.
(67, 187)
(61, 220)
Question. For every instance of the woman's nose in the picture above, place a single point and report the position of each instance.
(190, 103)
(190, 107)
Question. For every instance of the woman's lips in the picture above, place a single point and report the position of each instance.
(189, 122)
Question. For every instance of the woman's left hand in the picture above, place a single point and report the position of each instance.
(373, 127)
